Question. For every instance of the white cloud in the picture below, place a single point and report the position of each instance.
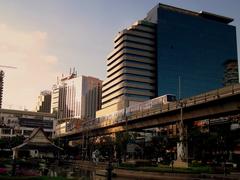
(36, 69)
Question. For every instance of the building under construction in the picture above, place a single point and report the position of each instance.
(1, 87)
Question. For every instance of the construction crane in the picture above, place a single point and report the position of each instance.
(12, 67)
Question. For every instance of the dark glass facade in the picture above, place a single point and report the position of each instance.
(192, 46)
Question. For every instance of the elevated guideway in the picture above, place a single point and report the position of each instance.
(213, 104)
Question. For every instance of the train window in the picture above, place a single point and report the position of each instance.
(171, 98)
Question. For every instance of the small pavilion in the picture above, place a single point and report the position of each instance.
(38, 145)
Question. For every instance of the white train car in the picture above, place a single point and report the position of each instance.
(153, 103)
(165, 99)
(120, 115)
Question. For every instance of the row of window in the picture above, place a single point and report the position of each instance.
(128, 76)
(8, 131)
(136, 36)
(141, 90)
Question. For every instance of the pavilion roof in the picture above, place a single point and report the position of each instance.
(38, 140)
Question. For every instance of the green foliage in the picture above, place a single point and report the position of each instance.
(196, 163)
(8, 143)
(104, 144)
(213, 145)
(159, 147)
(17, 140)
(127, 165)
(121, 141)
(139, 163)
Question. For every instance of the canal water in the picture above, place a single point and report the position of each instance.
(78, 174)
(82, 174)
(73, 172)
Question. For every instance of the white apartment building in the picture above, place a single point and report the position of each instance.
(17, 123)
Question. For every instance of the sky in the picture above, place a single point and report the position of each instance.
(44, 39)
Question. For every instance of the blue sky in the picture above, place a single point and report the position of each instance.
(45, 38)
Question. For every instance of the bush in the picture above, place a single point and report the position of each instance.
(138, 163)
(127, 165)
(197, 164)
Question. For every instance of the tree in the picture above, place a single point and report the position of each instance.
(17, 140)
(121, 141)
(215, 144)
(158, 148)
(10, 142)
(105, 146)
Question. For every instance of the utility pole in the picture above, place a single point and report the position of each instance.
(181, 128)
(179, 88)
(182, 159)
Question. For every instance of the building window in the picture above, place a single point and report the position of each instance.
(17, 132)
(27, 132)
(6, 131)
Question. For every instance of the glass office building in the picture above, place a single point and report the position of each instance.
(171, 51)
(191, 48)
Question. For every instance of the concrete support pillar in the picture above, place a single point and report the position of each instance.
(182, 145)
(87, 154)
(182, 152)
(114, 146)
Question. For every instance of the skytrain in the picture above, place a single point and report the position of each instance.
(150, 104)
(121, 115)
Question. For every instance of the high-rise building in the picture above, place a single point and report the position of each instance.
(1, 87)
(131, 67)
(70, 94)
(44, 102)
(93, 101)
(191, 47)
(171, 46)
(231, 75)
